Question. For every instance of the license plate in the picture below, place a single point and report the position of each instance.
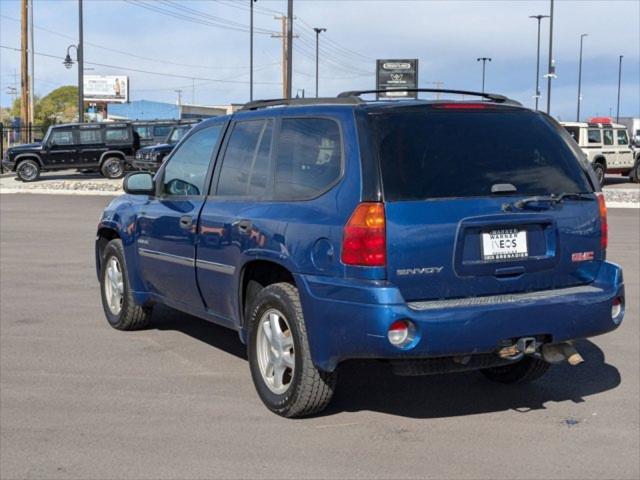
(504, 244)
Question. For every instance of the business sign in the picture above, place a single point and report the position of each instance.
(395, 75)
(106, 88)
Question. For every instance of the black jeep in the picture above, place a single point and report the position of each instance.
(84, 146)
(150, 158)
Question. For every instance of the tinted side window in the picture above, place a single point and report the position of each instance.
(144, 131)
(186, 171)
(574, 132)
(62, 137)
(115, 135)
(594, 136)
(246, 159)
(623, 139)
(161, 130)
(308, 159)
(90, 136)
(608, 137)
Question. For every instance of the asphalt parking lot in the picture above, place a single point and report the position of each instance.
(81, 400)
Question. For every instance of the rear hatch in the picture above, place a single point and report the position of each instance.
(458, 182)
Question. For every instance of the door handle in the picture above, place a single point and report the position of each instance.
(244, 226)
(186, 221)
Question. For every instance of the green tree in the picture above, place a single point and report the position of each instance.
(59, 106)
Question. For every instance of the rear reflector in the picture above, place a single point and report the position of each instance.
(401, 333)
(616, 307)
(604, 229)
(363, 242)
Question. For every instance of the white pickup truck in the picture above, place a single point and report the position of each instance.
(606, 146)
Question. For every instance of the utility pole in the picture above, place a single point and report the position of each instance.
(179, 92)
(619, 81)
(31, 70)
(80, 65)
(484, 62)
(551, 67)
(24, 76)
(318, 32)
(537, 95)
(286, 86)
(251, 2)
(193, 91)
(289, 46)
(580, 77)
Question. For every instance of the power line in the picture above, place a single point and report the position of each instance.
(138, 70)
(133, 55)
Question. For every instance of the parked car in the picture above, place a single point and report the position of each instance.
(150, 158)
(324, 230)
(152, 132)
(606, 146)
(83, 146)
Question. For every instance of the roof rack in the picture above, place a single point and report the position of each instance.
(494, 97)
(276, 102)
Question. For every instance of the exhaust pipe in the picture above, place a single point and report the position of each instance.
(560, 352)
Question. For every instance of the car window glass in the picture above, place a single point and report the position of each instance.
(246, 157)
(623, 138)
(574, 132)
(608, 137)
(177, 134)
(161, 130)
(62, 137)
(87, 136)
(186, 171)
(421, 158)
(594, 135)
(117, 134)
(308, 159)
(145, 132)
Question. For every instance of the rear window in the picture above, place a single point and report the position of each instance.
(425, 154)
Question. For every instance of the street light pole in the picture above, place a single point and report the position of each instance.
(619, 80)
(318, 31)
(484, 61)
(537, 95)
(289, 46)
(251, 2)
(580, 76)
(80, 66)
(551, 67)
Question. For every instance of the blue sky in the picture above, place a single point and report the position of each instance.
(211, 45)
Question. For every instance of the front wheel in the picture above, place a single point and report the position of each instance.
(526, 370)
(283, 373)
(112, 167)
(117, 297)
(28, 170)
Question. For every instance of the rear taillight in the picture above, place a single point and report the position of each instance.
(363, 242)
(604, 229)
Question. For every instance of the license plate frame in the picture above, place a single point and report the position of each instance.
(504, 244)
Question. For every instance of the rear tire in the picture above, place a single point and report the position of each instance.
(117, 297)
(599, 170)
(28, 170)
(526, 370)
(112, 167)
(283, 373)
(634, 174)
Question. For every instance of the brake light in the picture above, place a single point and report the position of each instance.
(462, 106)
(363, 241)
(604, 229)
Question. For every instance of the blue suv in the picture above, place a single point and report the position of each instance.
(437, 236)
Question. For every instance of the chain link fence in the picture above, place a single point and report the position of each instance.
(11, 135)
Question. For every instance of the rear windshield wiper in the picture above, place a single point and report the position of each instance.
(552, 199)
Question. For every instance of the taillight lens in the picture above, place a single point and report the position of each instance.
(363, 242)
(604, 229)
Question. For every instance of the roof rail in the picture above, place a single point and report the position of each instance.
(275, 102)
(494, 97)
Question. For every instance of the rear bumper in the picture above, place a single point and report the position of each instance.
(349, 319)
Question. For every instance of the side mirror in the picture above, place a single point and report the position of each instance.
(139, 183)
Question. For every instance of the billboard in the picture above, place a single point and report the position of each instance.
(106, 88)
(397, 74)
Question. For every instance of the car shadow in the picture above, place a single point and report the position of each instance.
(617, 180)
(371, 386)
(66, 176)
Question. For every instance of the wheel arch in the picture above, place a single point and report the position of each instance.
(601, 160)
(112, 153)
(28, 156)
(103, 237)
(265, 273)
